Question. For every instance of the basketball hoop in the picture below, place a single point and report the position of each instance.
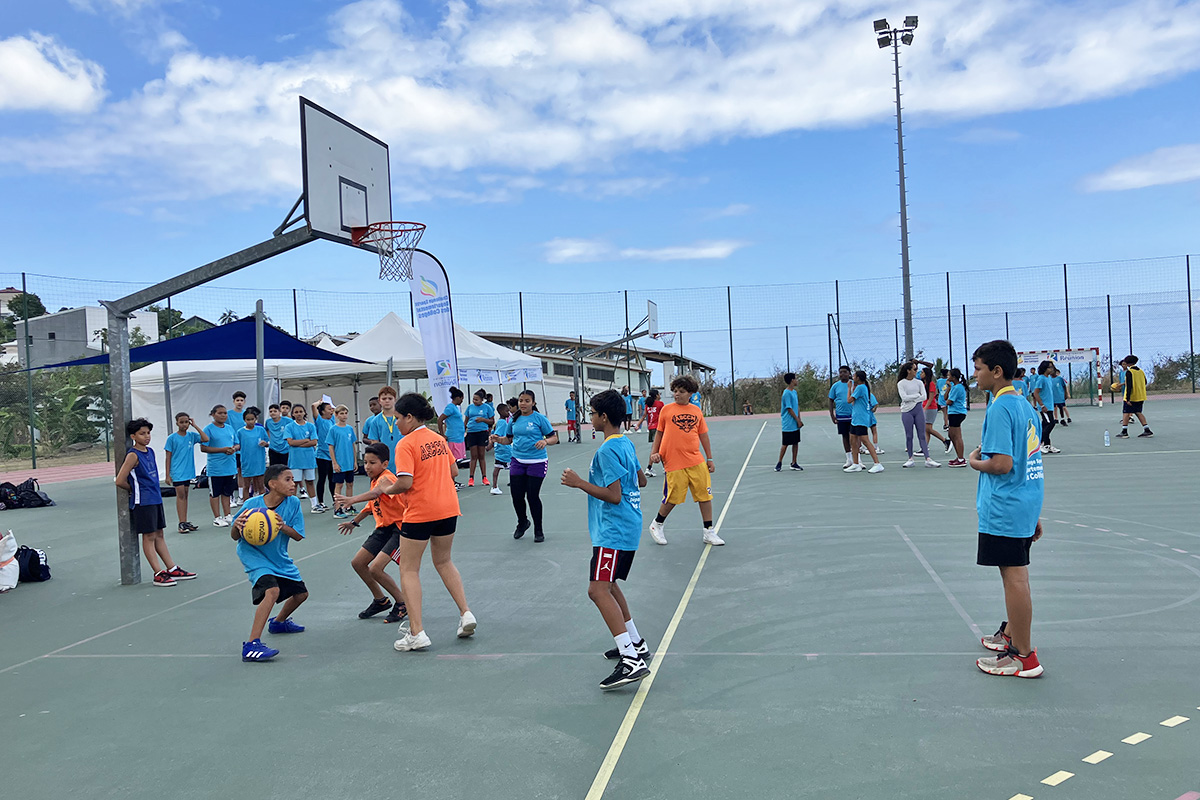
(395, 242)
(666, 338)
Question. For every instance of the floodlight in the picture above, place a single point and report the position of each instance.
(884, 41)
(907, 38)
(910, 22)
(881, 25)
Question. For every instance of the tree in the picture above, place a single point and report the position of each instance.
(18, 302)
(167, 318)
(227, 316)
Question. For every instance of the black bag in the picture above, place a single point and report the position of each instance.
(8, 495)
(201, 480)
(166, 490)
(33, 567)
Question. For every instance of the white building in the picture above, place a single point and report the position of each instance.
(74, 333)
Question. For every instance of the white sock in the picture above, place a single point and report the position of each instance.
(242, 492)
(848, 460)
(631, 629)
(313, 500)
(624, 645)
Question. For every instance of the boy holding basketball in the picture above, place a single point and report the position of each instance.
(371, 560)
(682, 431)
(1009, 502)
(614, 490)
(273, 575)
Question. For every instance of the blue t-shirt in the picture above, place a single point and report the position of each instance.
(455, 432)
(789, 400)
(236, 418)
(1021, 387)
(143, 480)
(527, 429)
(839, 393)
(639, 407)
(1060, 388)
(220, 464)
(941, 385)
(695, 399)
(503, 452)
(277, 434)
(386, 430)
(323, 426)
(874, 405)
(272, 558)
(860, 413)
(958, 399)
(1041, 385)
(616, 525)
(628, 403)
(302, 457)
(342, 439)
(570, 406)
(254, 455)
(1009, 504)
(183, 455)
(475, 416)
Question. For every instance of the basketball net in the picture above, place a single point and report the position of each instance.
(667, 339)
(395, 243)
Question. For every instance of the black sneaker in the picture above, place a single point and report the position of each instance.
(1146, 434)
(797, 467)
(949, 444)
(1122, 435)
(538, 536)
(376, 607)
(629, 670)
(398, 613)
(643, 651)
(183, 528)
(522, 526)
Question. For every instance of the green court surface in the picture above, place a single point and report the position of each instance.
(826, 652)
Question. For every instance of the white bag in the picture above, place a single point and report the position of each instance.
(9, 568)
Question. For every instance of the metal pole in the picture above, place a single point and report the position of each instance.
(1006, 334)
(1191, 341)
(259, 352)
(28, 370)
(787, 347)
(897, 340)
(412, 311)
(732, 369)
(904, 272)
(949, 324)
(628, 368)
(966, 347)
(1129, 311)
(837, 307)
(1112, 398)
(167, 393)
(576, 369)
(388, 379)
(829, 335)
(521, 313)
(118, 359)
(295, 314)
(1067, 308)
(107, 418)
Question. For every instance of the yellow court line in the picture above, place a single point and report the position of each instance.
(1136, 738)
(1058, 777)
(600, 783)
(1097, 757)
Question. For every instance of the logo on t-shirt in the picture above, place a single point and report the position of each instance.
(1032, 444)
(686, 422)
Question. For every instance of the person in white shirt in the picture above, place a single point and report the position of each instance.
(912, 397)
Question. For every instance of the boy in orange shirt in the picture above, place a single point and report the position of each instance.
(682, 431)
(371, 560)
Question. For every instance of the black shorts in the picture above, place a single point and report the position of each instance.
(1060, 405)
(956, 420)
(286, 586)
(383, 540)
(1132, 408)
(791, 437)
(476, 439)
(422, 531)
(1003, 551)
(276, 457)
(181, 484)
(343, 477)
(652, 432)
(844, 427)
(222, 485)
(147, 519)
(610, 565)
(859, 430)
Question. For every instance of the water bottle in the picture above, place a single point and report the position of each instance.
(1106, 440)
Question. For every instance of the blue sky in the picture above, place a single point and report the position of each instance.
(578, 146)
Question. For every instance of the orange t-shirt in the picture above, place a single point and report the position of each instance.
(388, 509)
(680, 428)
(425, 456)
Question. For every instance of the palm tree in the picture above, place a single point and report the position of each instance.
(227, 316)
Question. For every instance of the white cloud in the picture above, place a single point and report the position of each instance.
(732, 210)
(122, 7)
(576, 251)
(1178, 164)
(529, 86)
(719, 249)
(579, 251)
(37, 73)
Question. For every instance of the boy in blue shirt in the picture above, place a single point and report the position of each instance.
(181, 464)
(252, 446)
(572, 419)
(790, 422)
(840, 408)
(322, 417)
(277, 422)
(236, 421)
(273, 575)
(1061, 394)
(384, 427)
(221, 466)
(341, 456)
(613, 487)
(302, 453)
(1009, 502)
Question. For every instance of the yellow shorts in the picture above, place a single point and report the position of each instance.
(675, 487)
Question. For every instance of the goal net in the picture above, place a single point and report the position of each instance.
(1079, 366)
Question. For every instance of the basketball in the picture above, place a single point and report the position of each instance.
(261, 526)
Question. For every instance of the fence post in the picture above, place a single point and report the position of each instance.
(837, 307)
(628, 367)
(966, 347)
(1129, 311)
(829, 334)
(897, 321)
(295, 315)
(1067, 308)
(28, 369)
(732, 369)
(787, 346)
(949, 325)
(1006, 333)
(1112, 398)
(1191, 341)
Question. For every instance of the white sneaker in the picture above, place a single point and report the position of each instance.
(929, 462)
(234, 502)
(409, 642)
(1054, 449)
(853, 468)
(1045, 448)
(908, 463)
(466, 625)
(710, 537)
(656, 532)
(875, 470)
(221, 522)
(495, 490)
(650, 473)
(862, 449)
(878, 449)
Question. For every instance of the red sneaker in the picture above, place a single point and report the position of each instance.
(1012, 663)
(470, 481)
(485, 482)
(164, 579)
(180, 574)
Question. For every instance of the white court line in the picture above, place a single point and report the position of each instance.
(962, 612)
(604, 774)
(155, 614)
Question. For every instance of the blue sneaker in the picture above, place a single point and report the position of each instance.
(779, 467)
(287, 626)
(257, 651)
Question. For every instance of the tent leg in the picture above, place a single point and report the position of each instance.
(121, 402)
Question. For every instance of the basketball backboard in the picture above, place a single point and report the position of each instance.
(347, 177)
(652, 317)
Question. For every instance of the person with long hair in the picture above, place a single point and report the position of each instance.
(860, 422)
(956, 403)
(530, 433)
(480, 418)
(425, 473)
(1043, 402)
(913, 396)
(930, 405)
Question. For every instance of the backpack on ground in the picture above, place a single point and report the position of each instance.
(30, 495)
(8, 495)
(33, 565)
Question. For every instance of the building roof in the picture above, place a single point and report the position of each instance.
(566, 346)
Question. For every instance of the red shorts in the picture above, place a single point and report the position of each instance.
(611, 565)
(570, 425)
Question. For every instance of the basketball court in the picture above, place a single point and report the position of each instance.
(827, 651)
